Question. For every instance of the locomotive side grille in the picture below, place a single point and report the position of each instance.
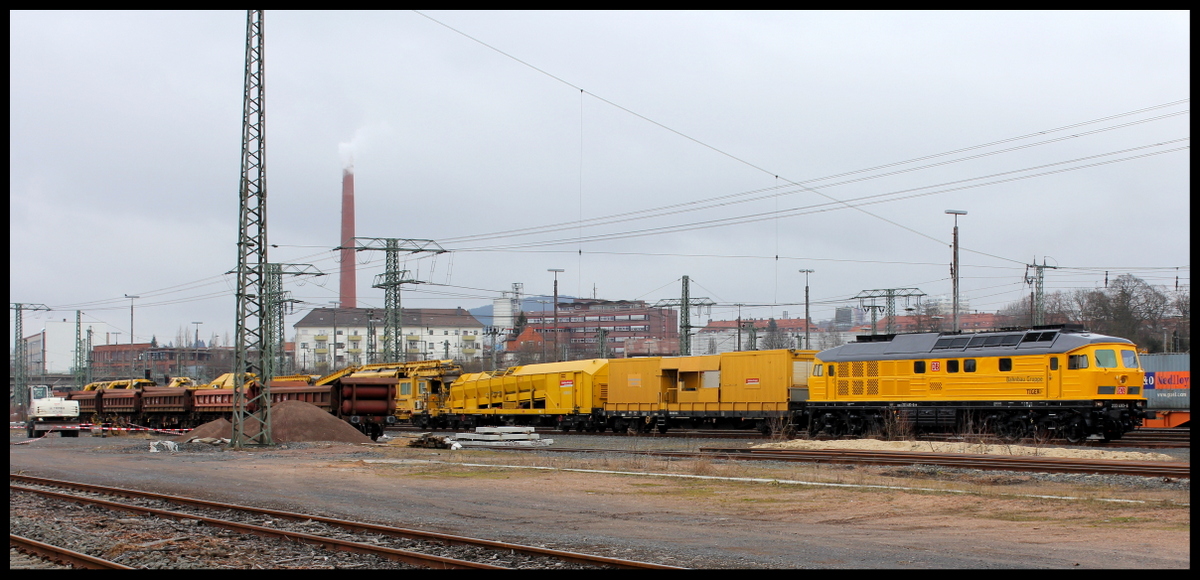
(873, 368)
(843, 387)
(873, 386)
(857, 368)
(935, 387)
(857, 387)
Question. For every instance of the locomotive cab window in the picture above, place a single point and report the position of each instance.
(1053, 363)
(969, 365)
(918, 367)
(952, 366)
(1129, 359)
(1005, 364)
(1077, 361)
(818, 370)
(1106, 358)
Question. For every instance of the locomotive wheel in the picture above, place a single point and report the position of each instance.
(1074, 432)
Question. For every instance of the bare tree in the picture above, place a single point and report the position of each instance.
(774, 338)
(1128, 307)
(1057, 308)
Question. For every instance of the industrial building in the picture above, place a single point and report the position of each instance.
(595, 328)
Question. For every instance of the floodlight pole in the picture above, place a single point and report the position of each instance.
(954, 268)
(807, 344)
(556, 271)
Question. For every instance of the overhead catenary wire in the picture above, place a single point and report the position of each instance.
(761, 169)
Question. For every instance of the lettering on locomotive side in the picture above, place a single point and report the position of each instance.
(1024, 379)
(1033, 391)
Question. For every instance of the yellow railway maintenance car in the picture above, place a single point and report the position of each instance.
(765, 390)
(1045, 382)
(565, 395)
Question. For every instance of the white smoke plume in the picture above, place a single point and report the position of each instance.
(346, 151)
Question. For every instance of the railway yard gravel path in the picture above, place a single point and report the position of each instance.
(692, 513)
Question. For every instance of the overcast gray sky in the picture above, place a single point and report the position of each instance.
(732, 147)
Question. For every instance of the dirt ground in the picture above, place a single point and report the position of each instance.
(838, 520)
(970, 448)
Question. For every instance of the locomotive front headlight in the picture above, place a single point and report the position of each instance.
(1122, 378)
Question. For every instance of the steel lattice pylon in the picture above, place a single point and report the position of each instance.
(252, 409)
(390, 282)
(275, 302)
(685, 304)
(890, 294)
(20, 357)
(1037, 304)
(80, 367)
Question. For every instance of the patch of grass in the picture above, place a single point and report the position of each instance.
(761, 500)
(1011, 516)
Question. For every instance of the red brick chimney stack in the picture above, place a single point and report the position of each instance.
(347, 286)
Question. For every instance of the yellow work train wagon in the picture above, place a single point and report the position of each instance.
(566, 395)
(1046, 381)
(765, 390)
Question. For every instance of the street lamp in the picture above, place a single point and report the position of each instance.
(131, 333)
(954, 268)
(556, 271)
(807, 344)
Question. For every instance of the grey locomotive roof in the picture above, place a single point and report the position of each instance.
(936, 345)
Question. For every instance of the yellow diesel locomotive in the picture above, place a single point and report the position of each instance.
(1048, 382)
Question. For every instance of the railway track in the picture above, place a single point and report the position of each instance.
(1141, 438)
(29, 554)
(1179, 470)
(415, 548)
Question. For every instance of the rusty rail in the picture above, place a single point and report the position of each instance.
(62, 555)
(437, 561)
